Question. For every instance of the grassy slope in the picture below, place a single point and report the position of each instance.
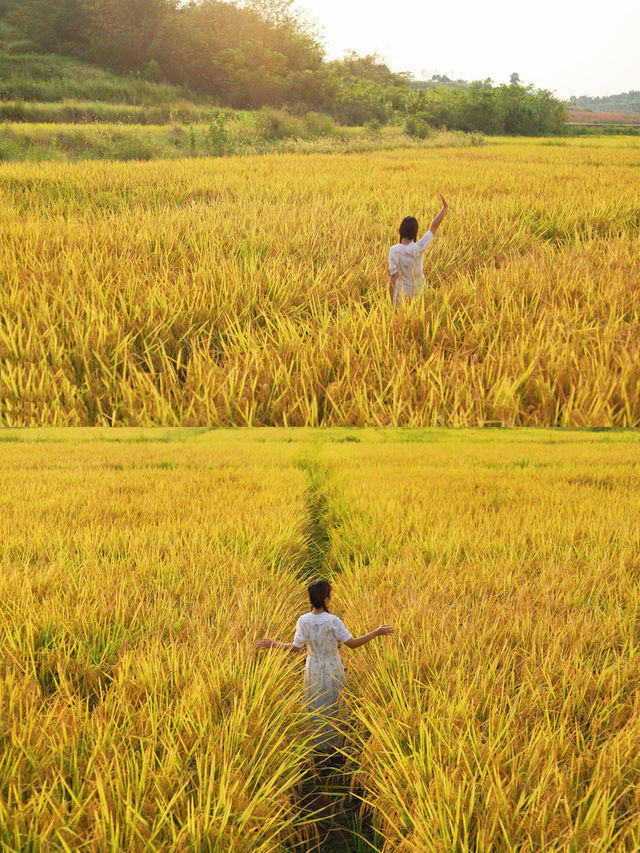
(57, 108)
(29, 76)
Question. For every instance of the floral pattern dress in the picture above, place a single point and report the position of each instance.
(324, 675)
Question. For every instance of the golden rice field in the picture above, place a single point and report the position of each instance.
(138, 567)
(253, 290)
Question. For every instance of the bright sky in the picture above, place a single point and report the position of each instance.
(570, 47)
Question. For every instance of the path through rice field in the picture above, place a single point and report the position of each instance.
(138, 567)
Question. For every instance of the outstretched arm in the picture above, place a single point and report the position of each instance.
(436, 222)
(274, 644)
(382, 631)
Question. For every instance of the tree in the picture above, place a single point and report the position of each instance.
(512, 109)
(121, 32)
(51, 23)
(254, 53)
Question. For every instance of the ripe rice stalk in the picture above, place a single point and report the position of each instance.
(272, 270)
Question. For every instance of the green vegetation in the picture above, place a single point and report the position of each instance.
(222, 135)
(514, 109)
(168, 63)
(48, 78)
(61, 108)
(625, 102)
(246, 57)
(84, 112)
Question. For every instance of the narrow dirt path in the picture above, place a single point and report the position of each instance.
(327, 791)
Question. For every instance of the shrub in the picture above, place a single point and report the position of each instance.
(153, 73)
(374, 126)
(10, 149)
(72, 142)
(418, 127)
(319, 124)
(133, 148)
(217, 136)
(277, 124)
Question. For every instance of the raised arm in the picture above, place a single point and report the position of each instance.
(382, 631)
(436, 222)
(266, 643)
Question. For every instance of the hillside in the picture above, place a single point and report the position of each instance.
(59, 108)
(41, 87)
(56, 107)
(241, 54)
(51, 78)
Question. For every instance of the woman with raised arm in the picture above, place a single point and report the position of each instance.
(405, 258)
(320, 632)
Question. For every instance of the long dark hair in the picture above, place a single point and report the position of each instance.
(318, 591)
(409, 228)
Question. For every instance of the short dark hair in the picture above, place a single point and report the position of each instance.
(409, 228)
(318, 591)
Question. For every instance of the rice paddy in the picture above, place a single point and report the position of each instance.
(253, 290)
(138, 567)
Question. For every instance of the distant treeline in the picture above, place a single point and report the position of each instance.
(625, 102)
(258, 53)
(515, 108)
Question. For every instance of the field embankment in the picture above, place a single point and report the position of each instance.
(253, 291)
(138, 567)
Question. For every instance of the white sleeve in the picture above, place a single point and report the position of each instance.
(393, 266)
(340, 631)
(298, 639)
(423, 242)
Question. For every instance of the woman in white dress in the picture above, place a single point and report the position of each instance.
(405, 258)
(320, 632)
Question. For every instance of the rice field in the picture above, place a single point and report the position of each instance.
(253, 290)
(586, 116)
(138, 567)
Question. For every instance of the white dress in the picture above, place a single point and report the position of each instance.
(324, 675)
(406, 260)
